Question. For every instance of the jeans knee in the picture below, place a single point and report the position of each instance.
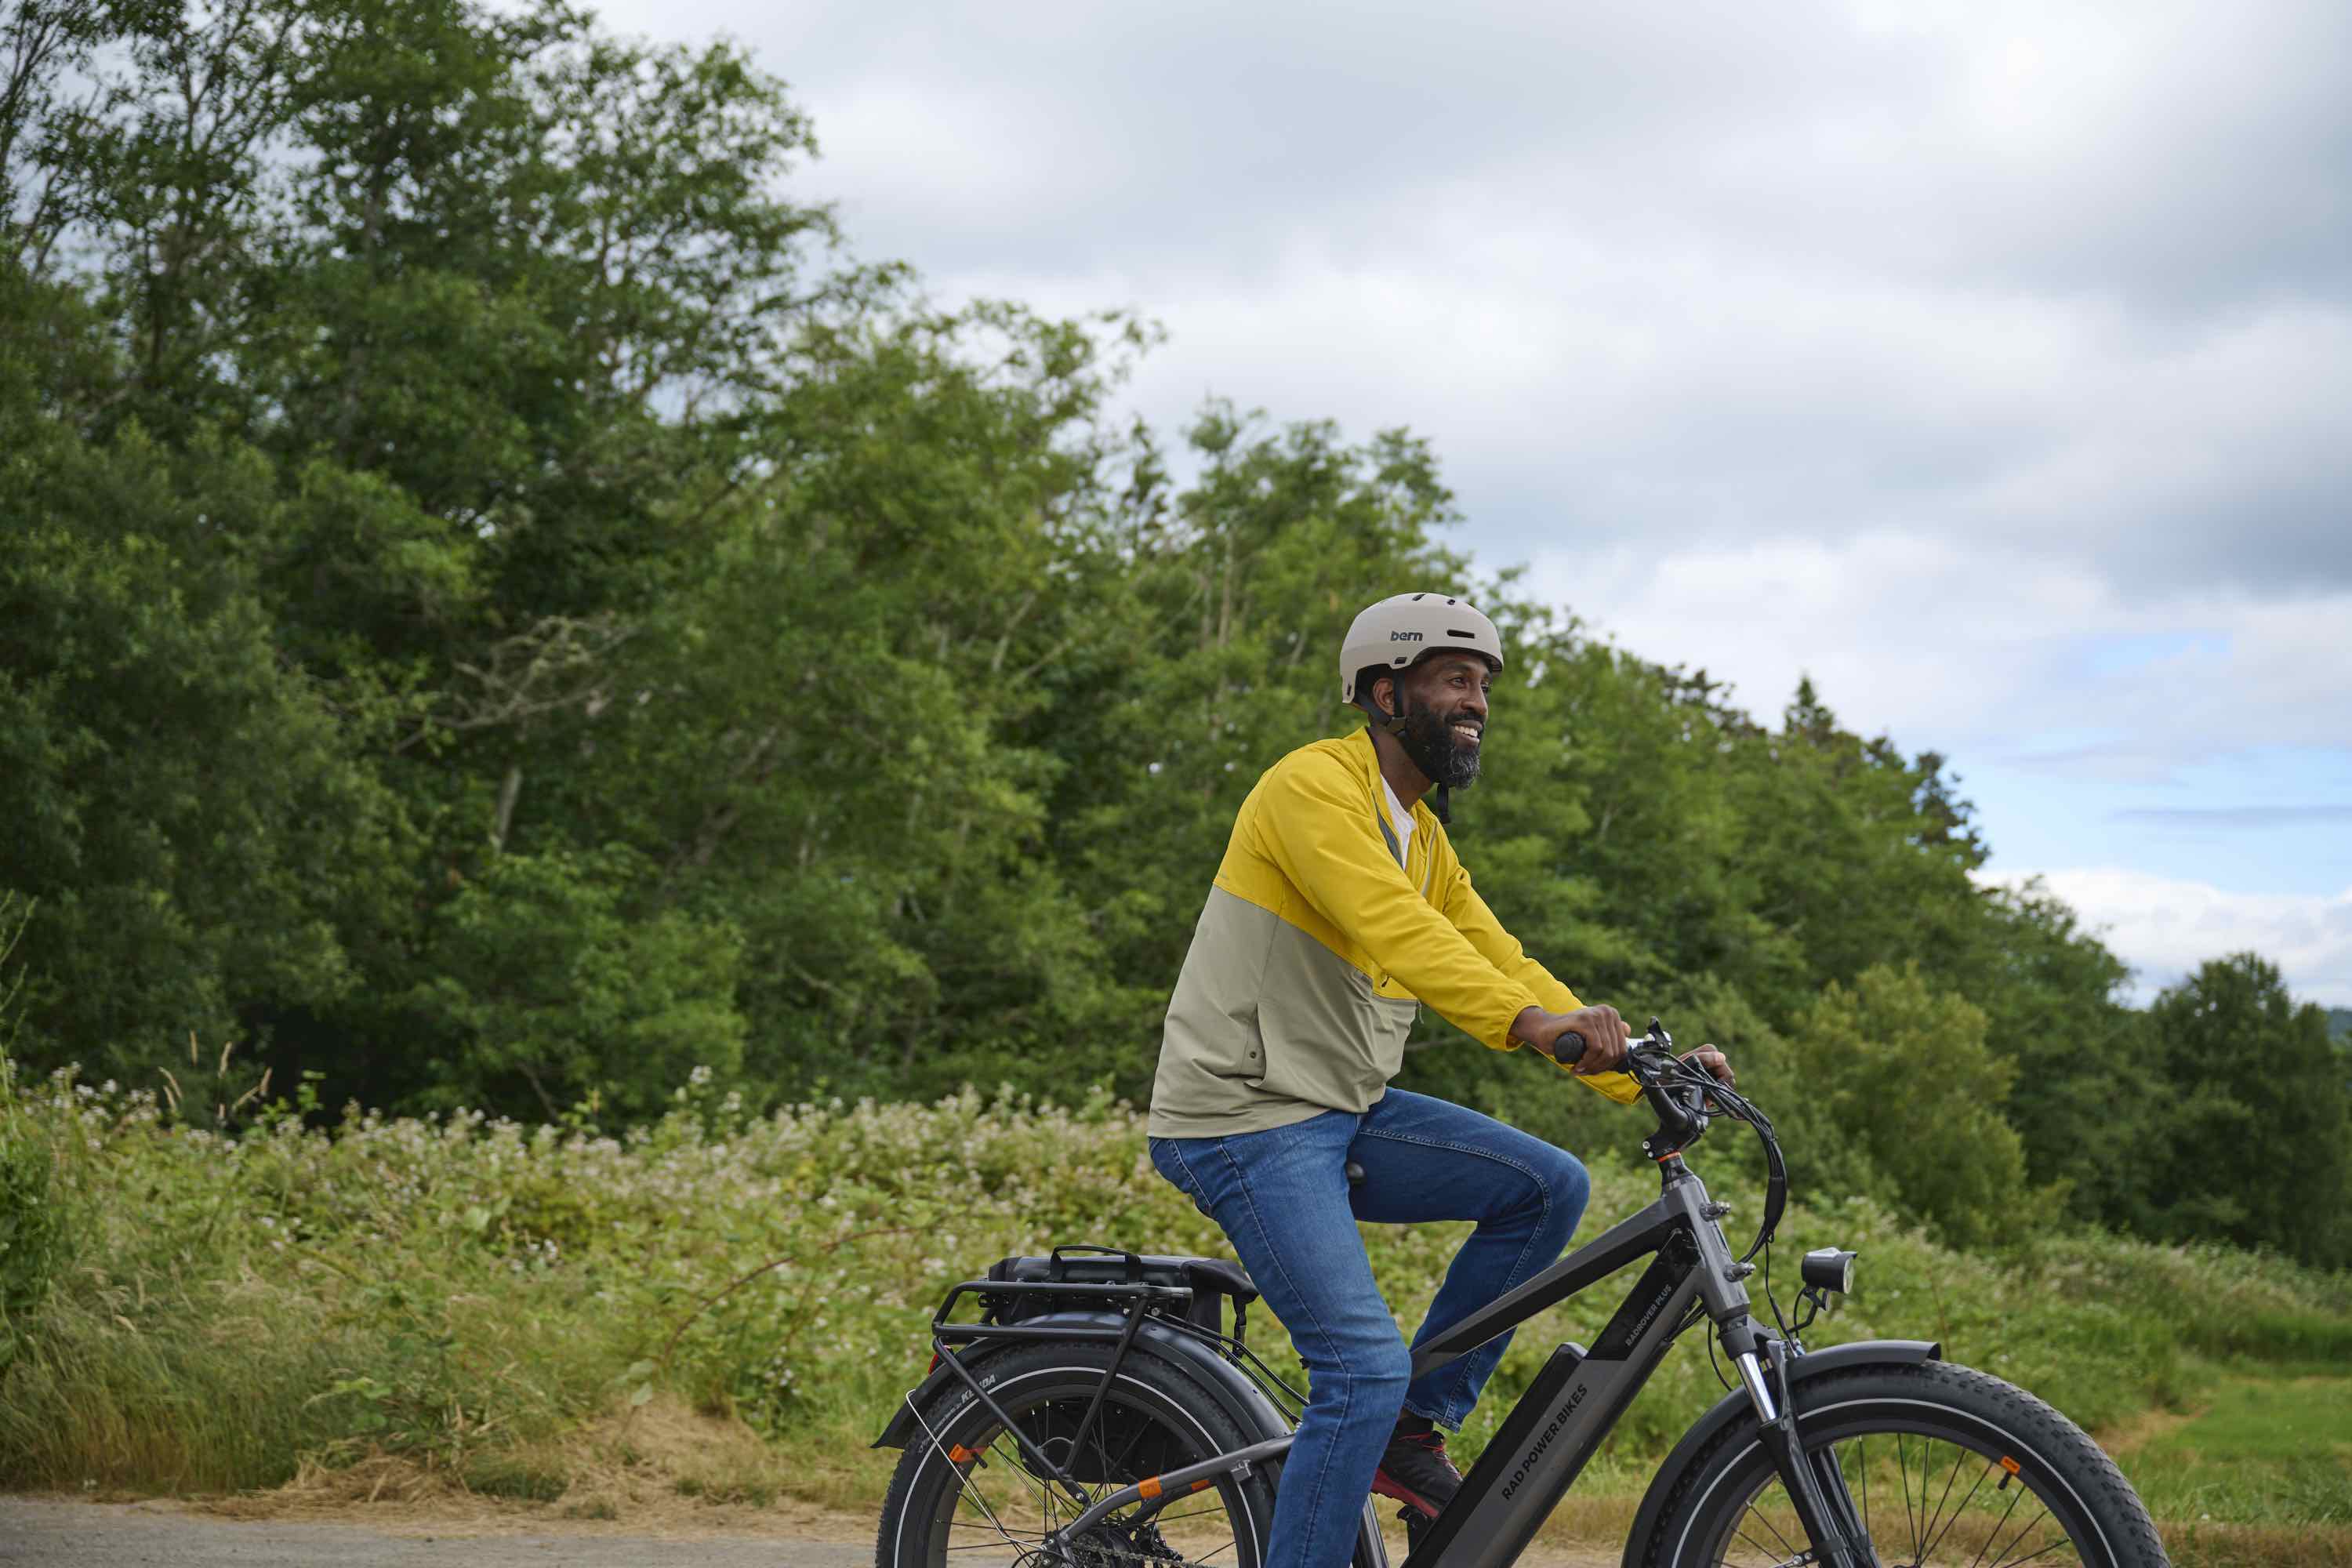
(1373, 1371)
(1566, 1189)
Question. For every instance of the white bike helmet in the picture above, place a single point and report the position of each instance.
(1399, 632)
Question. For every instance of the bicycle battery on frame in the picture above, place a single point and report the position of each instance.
(1544, 1443)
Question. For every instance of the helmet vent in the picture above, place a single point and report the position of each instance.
(1458, 632)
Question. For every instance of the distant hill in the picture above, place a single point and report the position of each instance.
(2339, 1023)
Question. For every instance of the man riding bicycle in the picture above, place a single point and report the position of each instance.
(1339, 908)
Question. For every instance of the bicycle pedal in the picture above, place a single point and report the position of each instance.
(1416, 1525)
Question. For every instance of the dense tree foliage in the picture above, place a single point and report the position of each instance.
(498, 610)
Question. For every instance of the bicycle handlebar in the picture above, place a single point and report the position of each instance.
(1682, 1103)
(1569, 1046)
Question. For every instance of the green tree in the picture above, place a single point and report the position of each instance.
(2084, 1105)
(1897, 1094)
(541, 975)
(823, 742)
(2258, 1118)
(187, 810)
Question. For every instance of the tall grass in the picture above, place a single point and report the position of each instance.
(471, 1295)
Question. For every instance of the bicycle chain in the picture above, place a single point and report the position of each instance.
(1086, 1554)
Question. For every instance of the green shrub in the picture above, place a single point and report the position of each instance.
(32, 1223)
(470, 1294)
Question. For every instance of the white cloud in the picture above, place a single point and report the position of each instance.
(2072, 278)
(2164, 927)
(1976, 648)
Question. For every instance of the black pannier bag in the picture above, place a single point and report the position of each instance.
(1211, 1280)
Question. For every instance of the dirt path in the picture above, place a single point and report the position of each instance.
(68, 1533)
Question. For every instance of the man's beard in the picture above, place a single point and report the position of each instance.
(1437, 751)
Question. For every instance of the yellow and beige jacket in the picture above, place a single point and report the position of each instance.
(1317, 946)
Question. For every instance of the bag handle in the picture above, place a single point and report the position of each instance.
(1056, 1266)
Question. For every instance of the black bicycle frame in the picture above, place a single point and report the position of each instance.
(1548, 1435)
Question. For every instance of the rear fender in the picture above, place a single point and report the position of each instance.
(1235, 1394)
(1735, 1404)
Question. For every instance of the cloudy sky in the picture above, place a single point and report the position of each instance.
(1991, 363)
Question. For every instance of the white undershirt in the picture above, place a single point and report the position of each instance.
(1400, 814)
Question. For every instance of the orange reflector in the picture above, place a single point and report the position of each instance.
(1148, 1486)
(960, 1455)
(1203, 1482)
(2009, 1464)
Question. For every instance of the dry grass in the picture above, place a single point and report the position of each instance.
(659, 1469)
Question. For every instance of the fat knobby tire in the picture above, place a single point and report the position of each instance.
(1956, 1404)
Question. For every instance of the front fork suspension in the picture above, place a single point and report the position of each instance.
(1816, 1488)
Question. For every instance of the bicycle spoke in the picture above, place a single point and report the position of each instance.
(1949, 1524)
(1861, 1466)
(1998, 1525)
(1753, 1544)
(1927, 1545)
(1909, 1524)
(964, 1482)
(1118, 1466)
(1786, 1551)
(2000, 1558)
(986, 1546)
(1974, 1486)
(1010, 1458)
(2030, 1556)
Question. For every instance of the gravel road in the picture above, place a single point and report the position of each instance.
(69, 1533)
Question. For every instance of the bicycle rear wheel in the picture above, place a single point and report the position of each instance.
(1946, 1467)
(965, 1495)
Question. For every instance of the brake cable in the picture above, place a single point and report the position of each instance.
(1719, 1100)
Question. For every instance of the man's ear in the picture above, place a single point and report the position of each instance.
(1389, 708)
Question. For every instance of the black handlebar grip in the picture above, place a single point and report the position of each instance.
(1569, 1045)
(1355, 1174)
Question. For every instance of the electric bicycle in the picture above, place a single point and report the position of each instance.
(1097, 1414)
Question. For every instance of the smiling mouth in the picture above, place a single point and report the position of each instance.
(1469, 732)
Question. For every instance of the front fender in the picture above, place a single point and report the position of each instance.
(1733, 1405)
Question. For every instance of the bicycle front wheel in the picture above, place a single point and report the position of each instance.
(968, 1492)
(1946, 1467)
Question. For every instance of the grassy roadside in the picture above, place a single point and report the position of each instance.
(722, 1309)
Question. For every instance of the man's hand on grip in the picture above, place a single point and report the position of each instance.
(1714, 1061)
(1603, 1031)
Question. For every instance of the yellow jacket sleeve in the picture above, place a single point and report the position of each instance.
(1313, 826)
(1470, 916)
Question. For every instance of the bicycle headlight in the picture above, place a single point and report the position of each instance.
(1828, 1268)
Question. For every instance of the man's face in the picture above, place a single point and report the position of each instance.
(1445, 707)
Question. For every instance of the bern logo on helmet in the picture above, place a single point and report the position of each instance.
(1404, 636)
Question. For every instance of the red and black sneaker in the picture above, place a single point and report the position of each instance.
(1416, 1472)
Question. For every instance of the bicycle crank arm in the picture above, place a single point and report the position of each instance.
(1192, 1477)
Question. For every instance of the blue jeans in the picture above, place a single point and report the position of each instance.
(1283, 1198)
